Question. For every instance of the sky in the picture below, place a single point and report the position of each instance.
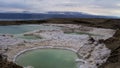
(96, 7)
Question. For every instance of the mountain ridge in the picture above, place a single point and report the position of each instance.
(40, 16)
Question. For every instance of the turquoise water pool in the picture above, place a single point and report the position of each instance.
(48, 58)
(30, 37)
(18, 29)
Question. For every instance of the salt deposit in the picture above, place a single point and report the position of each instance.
(9, 40)
(91, 55)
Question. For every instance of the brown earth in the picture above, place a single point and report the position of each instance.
(100, 23)
(4, 63)
(113, 43)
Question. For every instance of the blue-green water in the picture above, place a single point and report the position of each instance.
(18, 29)
(48, 58)
(31, 37)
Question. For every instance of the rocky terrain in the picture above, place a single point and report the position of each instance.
(112, 43)
(93, 53)
(95, 22)
(4, 63)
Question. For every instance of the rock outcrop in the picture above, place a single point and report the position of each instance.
(93, 54)
(4, 63)
(113, 43)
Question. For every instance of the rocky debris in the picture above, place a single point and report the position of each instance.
(113, 43)
(4, 63)
(94, 54)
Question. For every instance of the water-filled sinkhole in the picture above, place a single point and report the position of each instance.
(48, 58)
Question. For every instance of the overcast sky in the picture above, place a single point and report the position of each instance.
(97, 7)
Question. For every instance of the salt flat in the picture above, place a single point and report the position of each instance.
(76, 37)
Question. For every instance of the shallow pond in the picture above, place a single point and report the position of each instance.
(48, 58)
(18, 29)
(30, 37)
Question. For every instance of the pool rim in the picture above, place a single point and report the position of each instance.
(43, 47)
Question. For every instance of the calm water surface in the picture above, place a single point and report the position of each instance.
(18, 29)
(48, 58)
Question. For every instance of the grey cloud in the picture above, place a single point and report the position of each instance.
(104, 6)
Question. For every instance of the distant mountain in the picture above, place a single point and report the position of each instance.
(38, 16)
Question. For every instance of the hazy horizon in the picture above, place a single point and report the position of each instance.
(94, 7)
